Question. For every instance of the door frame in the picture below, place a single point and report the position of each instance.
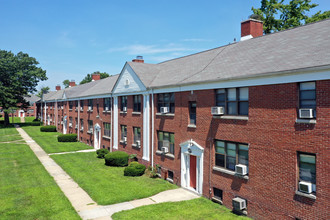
(97, 136)
(192, 148)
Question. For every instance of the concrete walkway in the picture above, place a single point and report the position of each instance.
(82, 202)
(22, 119)
(72, 152)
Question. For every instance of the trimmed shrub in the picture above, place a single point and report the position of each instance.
(67, 138)
(36, 119)
(134, 169)
(101, 153)
(49, 128)
(117, 159)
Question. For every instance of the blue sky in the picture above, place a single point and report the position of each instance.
(71, 38)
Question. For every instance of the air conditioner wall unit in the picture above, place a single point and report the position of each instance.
(239, 204)
(138, 143)
(125, 139)
(124, 109)
(106, 108)
(165, 150)
(89, 108)
(306, 113)
(164, 110)
(217, 110)
(305, 187)
(241, 169)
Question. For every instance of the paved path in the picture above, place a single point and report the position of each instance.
(72, 152)
(81, 201)
(22, 119)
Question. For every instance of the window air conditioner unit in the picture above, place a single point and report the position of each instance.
(241, 169)
(61, 107)
(76, 126)
(125, 139)
(239, 204)
(70, 124)
(305, 187)
(138, 143)
(124, 109)
(89, 108)
(107, 108)
(61, 122)
(217, 110)
(81, 108)
(164, 110)
(305, 113)
(165, 150)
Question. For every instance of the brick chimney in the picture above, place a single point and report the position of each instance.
(72, 83)
(58, 87)
(96, 76)
(251, 28)
(139, 59)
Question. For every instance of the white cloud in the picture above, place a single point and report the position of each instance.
(139, 49)
(196, 40)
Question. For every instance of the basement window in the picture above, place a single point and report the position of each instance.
(217, 193)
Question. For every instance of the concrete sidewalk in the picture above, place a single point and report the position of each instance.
(82, 202)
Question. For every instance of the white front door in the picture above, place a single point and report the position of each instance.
(192, 166)
(97, 136)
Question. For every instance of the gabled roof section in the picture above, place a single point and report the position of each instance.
(129, 81)
(94, 88)
(31, 99)
(295, 49)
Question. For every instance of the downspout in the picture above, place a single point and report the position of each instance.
(111, 115)
(152, 129)
(78, 128)
(45, 114)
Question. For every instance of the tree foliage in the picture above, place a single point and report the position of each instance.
(19, 76)
(66, 83)
(43, 90)
(88, 78)
(277, 16)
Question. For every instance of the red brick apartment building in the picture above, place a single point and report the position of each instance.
(246, 124)
(30, 111)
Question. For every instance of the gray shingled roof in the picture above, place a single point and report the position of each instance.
(31, 99)
(298, 48)
(98, 87)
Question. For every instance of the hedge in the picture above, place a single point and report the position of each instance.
(49, 128)
(36, 119)
(67, 138)
(101, 153)
(117, 159)
(134, 169)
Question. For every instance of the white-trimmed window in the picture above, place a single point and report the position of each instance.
(166, 139)
(229, 154)
(166, 100)
(123, 132)
(123, 103)
(307, 96)
(90, 126)
(137, 103)
(307, 169)
(106, 104)
(107, 129)
(137, 134)
(81, 124)
(234, 100)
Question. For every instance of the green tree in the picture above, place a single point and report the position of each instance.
(19, 76)
(66, 83)
(278, 16)
(43, 90)
(88, 78)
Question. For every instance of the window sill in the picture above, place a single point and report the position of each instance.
(136, 146)
(306, 121)
(169, 155)
(310, 196)
(136, 113)
(106, 137)
(81, 130)
(89, 110)
(89, 132)
(166, 114)
(81, 110)
(191, 126)
(236, 117)
(229, 172)
(70, 109)
(122, 142)
(217, 200)
(106, 111)
(169, 180)
(122, 112)
(76, 110)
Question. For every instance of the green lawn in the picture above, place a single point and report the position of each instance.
(29, 119)
(200, 208)
(108, 185)
(18, 119)
(27, 191)
(48, 141)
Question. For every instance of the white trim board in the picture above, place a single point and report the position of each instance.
(257, 81)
